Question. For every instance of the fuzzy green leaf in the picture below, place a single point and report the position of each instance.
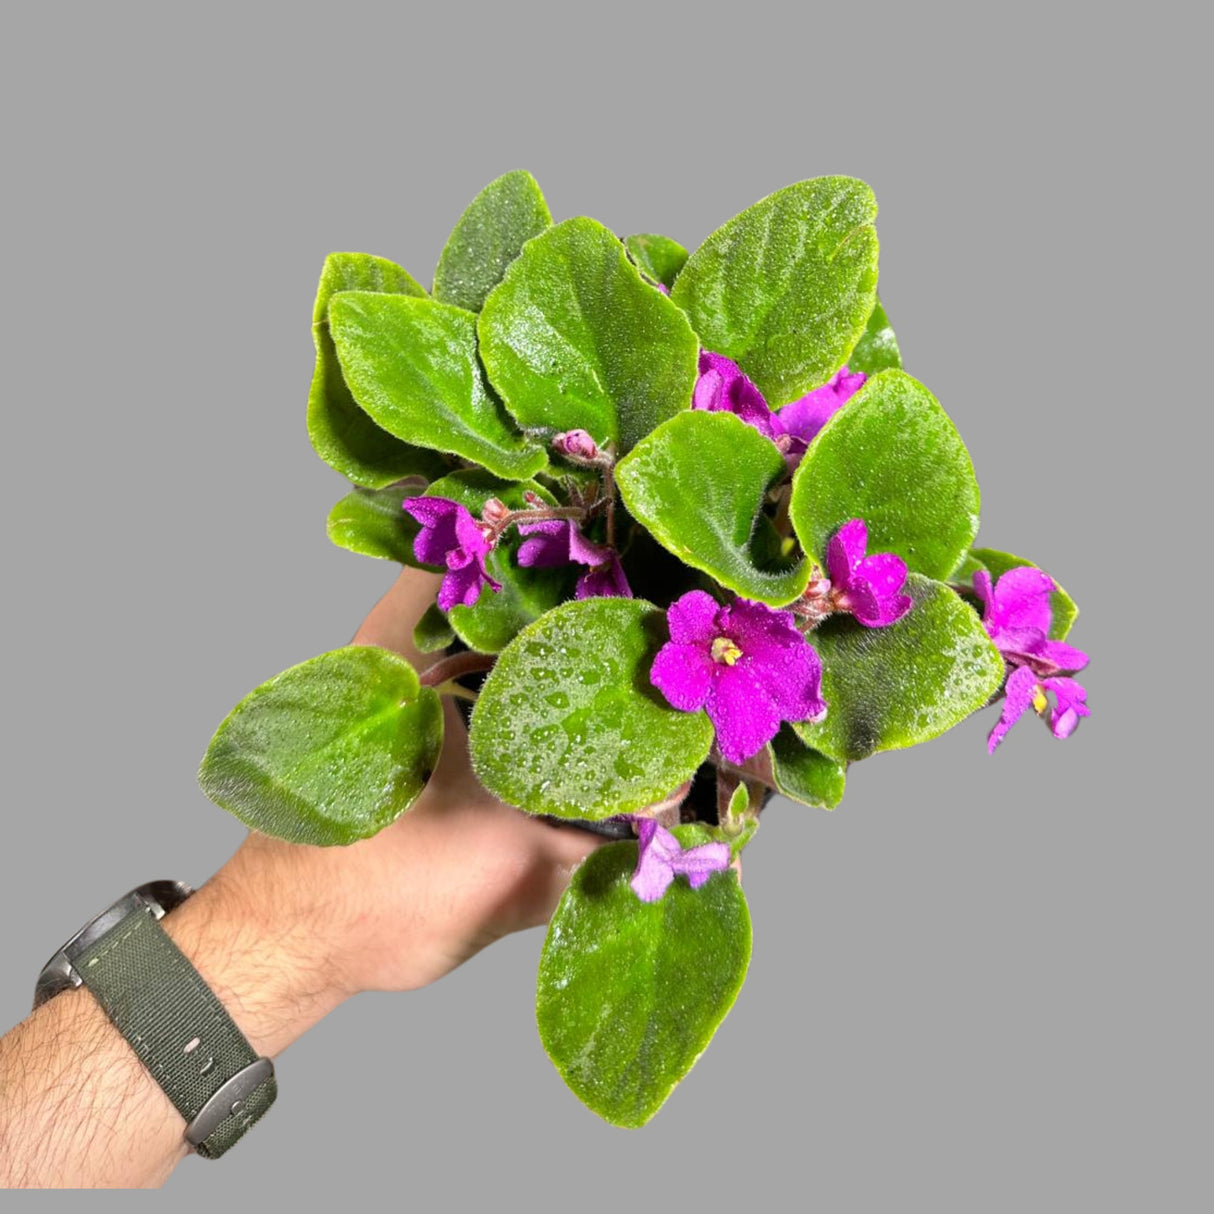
(878, 349)
(893, 687)
(630, 993)
(567, 722)
(328, 752)
(341, 433)
(495, 619)
(412, 366)
(574, 338)
(490, 234)
(433, 631)
(805, 774)
(373, 523)
(697, 483)
(891, 457)
(786, 287)
(1064, 608)
(657, 257)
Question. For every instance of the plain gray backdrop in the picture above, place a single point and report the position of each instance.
(982, 983)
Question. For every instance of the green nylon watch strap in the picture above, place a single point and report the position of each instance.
(181, 1032)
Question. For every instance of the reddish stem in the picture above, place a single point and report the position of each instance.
(455, 666)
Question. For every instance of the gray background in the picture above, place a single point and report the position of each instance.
(978, 985)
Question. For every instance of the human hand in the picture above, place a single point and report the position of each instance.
(394, 912)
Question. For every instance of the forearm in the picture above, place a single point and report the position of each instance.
(78, 1108)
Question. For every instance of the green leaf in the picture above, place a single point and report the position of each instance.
(574, 338)
(412, 365)
(567, 722)
(892, 687)
(490, 234)
(630, 993)
(892, 457)
(697, 483)
(341, 433)
(805, 774)
(493, 621)
(328, 752)
(996, 563)
(372, 522)
(657, 257)
(433, 631)
(786, 287)
(878, 349)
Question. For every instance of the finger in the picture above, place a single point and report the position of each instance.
(391, 621)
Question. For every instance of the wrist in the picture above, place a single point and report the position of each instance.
(260, 935)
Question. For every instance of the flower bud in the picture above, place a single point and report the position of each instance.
(576, 445)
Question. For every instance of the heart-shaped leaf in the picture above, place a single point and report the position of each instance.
(697, 483)
(891, 457)
(786, 287)
(630, 993)
(373, 523)
(341, 433)
(657, 257)
(892, 687)
(878, 349)
(1064, 609)
(805, 774)
(567, 723)
(574, 338)
(493, 621)
(490, 234)
(412, 366)
(328, 752)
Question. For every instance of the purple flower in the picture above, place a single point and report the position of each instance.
(451, 536)
(867, 586)
(724, 387)
(746, 665)
(1017, 619)
(1024, 689)
(660, 859)
(800, 420)
(605, 580)
(558, 541)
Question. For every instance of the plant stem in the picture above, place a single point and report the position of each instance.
(537, 514)
(609, 492)
(455, 666)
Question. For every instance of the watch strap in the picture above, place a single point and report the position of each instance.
(181, 1032)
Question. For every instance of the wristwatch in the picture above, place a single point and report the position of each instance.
(172, 1020)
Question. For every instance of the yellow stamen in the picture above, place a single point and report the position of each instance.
(1040, 703)
(724, 650)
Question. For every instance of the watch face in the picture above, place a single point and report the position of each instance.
(156, 898)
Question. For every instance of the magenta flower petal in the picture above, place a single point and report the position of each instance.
(1017, 618)
(746, 664)
(692, 618)
(604, 581)
(802, 419)
(1071, 705)
(845, 551)
(1021, 690)
(450, 536)
(684, 675)
(1020, 600)
(660, 859)
(743, 714)
(437, 516)
(724, 387)
(867, 586)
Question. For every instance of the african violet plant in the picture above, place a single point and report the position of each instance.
(701, 538)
